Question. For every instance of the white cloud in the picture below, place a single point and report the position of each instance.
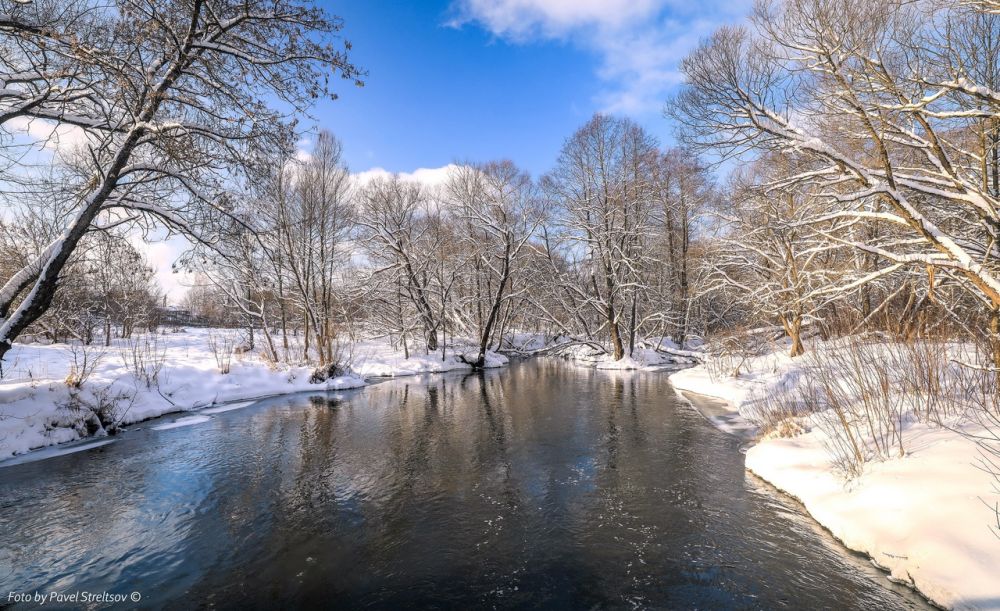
(161, 255)
(50, 135)
(518, 19)
(430, 177)
(639, 43)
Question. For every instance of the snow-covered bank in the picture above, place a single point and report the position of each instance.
(768, 373)
(376, 359)
(649, 354)
(925, 517)
(39, 406)
(922, 517)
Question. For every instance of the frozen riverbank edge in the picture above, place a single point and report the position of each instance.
(38, 409)
(923, 518)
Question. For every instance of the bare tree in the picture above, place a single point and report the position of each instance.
(683, 190)
(180, 106)
(885, 105)
(400, 240)
(771, 259)
(499, 205)
(312, 222)
(602, 185)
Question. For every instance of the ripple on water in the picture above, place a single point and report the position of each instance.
(541, 485)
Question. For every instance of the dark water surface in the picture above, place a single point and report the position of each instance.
(544, 485)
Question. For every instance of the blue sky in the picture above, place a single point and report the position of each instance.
(456, 80)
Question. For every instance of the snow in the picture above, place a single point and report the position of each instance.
(699, 380)
(649, 354)
(641, 358)
(529, 342)
(768, 373)
(922, 517)
(38, 408)
(378, 359)
(925, 517)
(719, 413)
(61, 450)
(181, 422)
(227, 408)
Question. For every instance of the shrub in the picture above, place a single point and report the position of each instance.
(144, 357)
(222, 343)
(86, 359)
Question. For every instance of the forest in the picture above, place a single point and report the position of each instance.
(864, 196)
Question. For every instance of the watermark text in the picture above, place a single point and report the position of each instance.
(77, 597)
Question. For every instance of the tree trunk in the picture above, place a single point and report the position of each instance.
(609, 311)
(631, 328)
(616, 337)
(487, 331)
(47, 269)
(431, 338)
(995, 337)
(305, 337)
(793, 328)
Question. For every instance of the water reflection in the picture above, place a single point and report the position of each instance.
(541, 485)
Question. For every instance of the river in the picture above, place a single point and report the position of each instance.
(540, 485)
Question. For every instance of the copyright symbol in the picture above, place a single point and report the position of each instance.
(135, 597)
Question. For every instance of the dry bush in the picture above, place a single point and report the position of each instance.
(270, 359)
(858, 382)
(341, 359)
(102, 408)
(222, 343)
(342, 353)
(86, 359)
(924, 376)
(143, 355)
(863, 391)
(975, 382)
(294, 352)
(778, 414)
(870, 389)
(928, 379)
(982, 395)
(111, 407)
(731, 353)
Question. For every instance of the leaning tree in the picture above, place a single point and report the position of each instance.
(175, 103)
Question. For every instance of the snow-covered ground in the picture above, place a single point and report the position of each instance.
(926, 517)
(39, 408)
(649, 354)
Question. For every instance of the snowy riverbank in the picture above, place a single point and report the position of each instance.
(650, 354)
(926, 517)
(150, 376)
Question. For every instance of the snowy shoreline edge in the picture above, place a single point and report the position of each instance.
(742, 432)
(35, 412)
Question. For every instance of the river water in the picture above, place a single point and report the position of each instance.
(542, 485)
